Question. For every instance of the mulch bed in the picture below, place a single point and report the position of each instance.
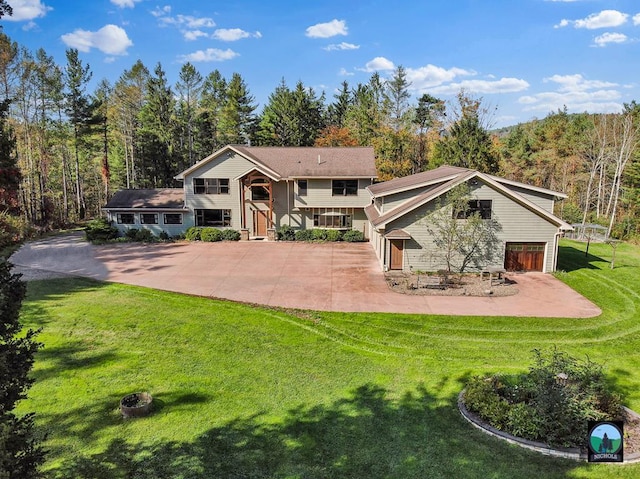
(467, 284)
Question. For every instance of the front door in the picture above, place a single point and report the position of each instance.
(260, 223)
(397, 254)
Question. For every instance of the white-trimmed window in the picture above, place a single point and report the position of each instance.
(480, 207)
(332, 220)
(172, 218)
(344, 187)
(211, 186)
(125, 218)
(302, 187)
(213, 218)
(149, 218)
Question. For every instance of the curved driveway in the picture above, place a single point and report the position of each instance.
(329, 276)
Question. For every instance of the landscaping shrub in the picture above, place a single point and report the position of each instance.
(286, 233)
(164, 236)
(144, 235)
(352, 236)
(319, 235)
(304, 235)
(334, 235)
(193, 233)
(230, 235)
(131, 234)
(100, 230)
(551, 403)
(210, 234)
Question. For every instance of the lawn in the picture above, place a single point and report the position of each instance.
(242, 391)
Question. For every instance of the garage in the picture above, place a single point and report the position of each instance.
(524, 257)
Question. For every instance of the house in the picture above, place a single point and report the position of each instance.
(257, 189)
(527, 236)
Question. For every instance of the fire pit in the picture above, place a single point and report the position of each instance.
(136, 405)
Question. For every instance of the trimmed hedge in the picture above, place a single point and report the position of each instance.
(193, 233)
(100, 230)
(230, 235)
(210, 235)
(353, 236)
(286, 233)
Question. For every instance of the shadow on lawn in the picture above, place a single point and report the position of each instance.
(363, 435)
(572, 259)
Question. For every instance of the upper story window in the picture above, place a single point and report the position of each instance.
(481, 207)
(344, 187)
(211, 186)
(302, 187)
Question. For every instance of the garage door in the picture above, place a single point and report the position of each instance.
(524, 257)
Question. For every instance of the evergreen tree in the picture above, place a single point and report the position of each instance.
(428, 115)
(20, 452)
(237, 122)
(396, 97)
(212, 99)
(9, 172)
(337, 111)
(189, 87)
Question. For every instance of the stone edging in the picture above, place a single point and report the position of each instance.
(567, 453)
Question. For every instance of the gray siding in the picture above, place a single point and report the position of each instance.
(391, 201)
(319, 195)
(171, 230)
(542, 200)
(518, 225)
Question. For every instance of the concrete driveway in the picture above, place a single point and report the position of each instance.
(330, 277)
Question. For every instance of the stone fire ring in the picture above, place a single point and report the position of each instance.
(136, 405)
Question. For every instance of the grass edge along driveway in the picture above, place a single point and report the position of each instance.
(243, 391)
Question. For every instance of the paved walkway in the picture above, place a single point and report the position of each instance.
(330, 277)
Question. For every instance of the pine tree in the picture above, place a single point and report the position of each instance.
(20, 452)
(237, 122)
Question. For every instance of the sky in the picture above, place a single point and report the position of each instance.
(524, 58)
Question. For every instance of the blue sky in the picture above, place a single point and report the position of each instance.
(525, 58)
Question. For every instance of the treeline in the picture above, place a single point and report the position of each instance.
(64, 150)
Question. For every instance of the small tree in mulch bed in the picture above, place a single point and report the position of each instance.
(552, 403)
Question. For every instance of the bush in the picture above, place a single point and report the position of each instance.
(286, 233)
(319, 235)
(144, 235)
(543, 406)
(353, 236)
(164, 236)
(211, 235)
(334, 235)
(230, 235)
(131, 234)
(193, 233)
(100, 230)
(304, 235)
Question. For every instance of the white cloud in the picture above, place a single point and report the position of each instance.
(233, 34)
(125, 3)
(636, 19)
(604, 19)
(327, 30)
(27, 10)
(577, 94)
(194, 34)
(341, 46)
(378, 64)
(504, 85)
(161, 11)
(188, 21)
(110, 39)
(430, 76)
(345, 73)
(606, 38)
(209, 55)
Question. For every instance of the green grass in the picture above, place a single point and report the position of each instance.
(242, 391)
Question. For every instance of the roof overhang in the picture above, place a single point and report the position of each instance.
(142, 209)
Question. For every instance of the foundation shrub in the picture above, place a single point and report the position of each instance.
(193, 233)
(319, 235)
(352, 236)
(304, 235)
(144, 235)
(334, 235)
(100, 230)
(286, 233)
(230, 235)
(211, 235)
(131, 234)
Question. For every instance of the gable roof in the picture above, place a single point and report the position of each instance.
(445, 173)
(381, 220)
(302, 162)
(159, 199)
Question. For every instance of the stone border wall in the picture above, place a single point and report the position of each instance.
(567, 453)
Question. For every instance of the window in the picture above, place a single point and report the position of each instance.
(125, 218)
(302, 187)
(482, 207)
(211, 186)
(344, 187)
(332, 221)
(259, 193)
(172, 218)
(213, 217)
(149, 218)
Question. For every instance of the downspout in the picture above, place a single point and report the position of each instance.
(556, 241)
(288, 204)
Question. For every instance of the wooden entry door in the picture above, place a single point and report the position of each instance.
(524, 257)
(397, 254)
(260, 223)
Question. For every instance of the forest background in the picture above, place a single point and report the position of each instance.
(64, 150)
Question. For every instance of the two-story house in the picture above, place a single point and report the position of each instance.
(256, 189)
